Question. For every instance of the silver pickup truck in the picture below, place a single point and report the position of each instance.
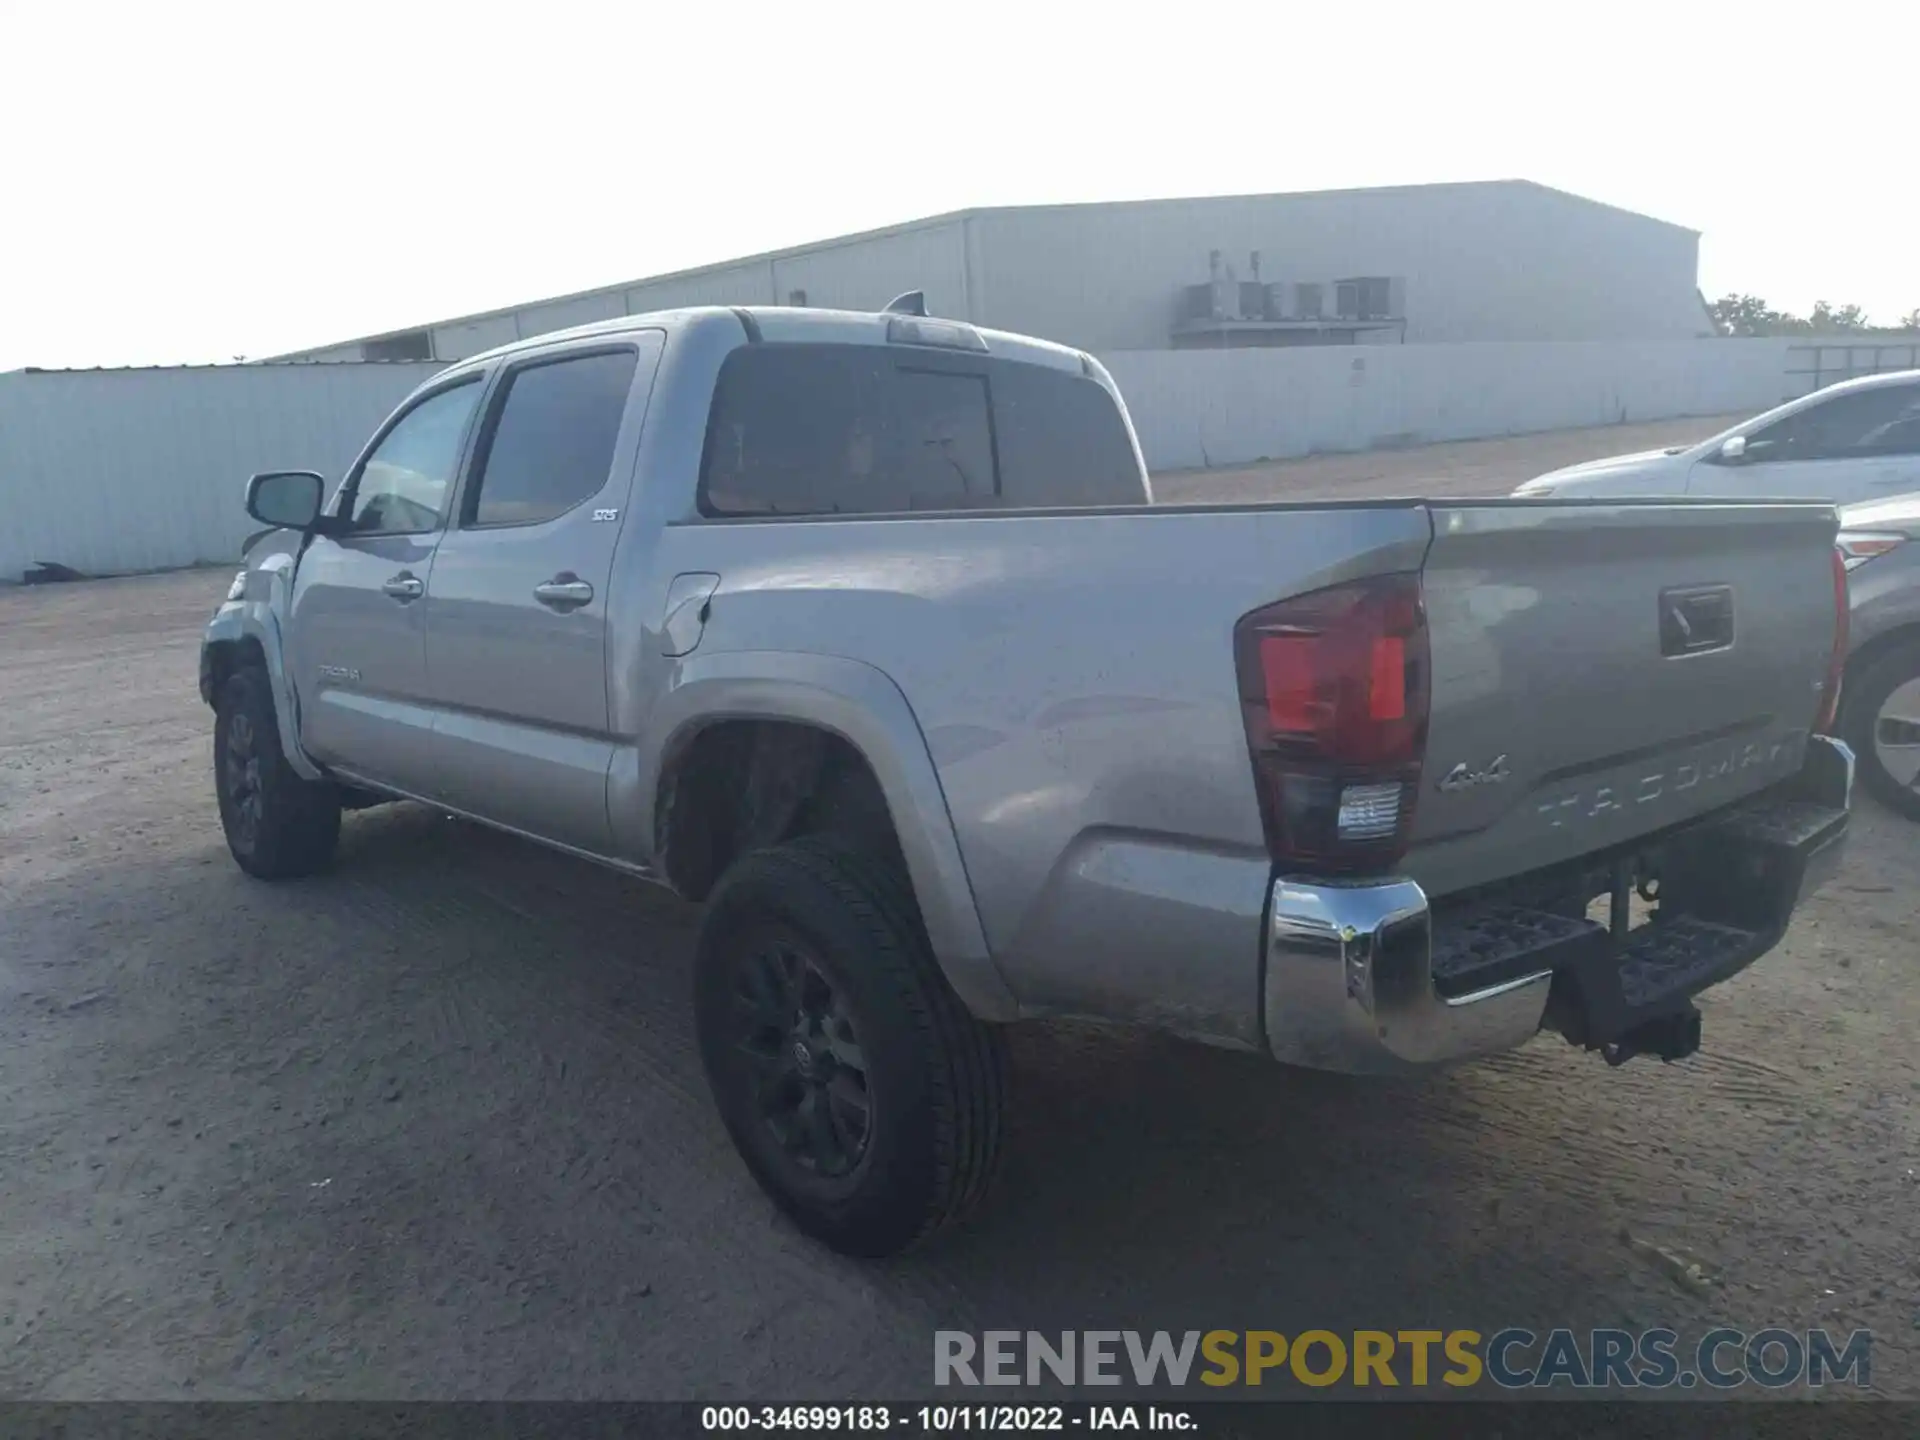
(863, 629)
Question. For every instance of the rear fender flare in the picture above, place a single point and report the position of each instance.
(864, 707)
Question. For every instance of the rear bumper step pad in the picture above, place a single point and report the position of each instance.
(1727, 890)
(1368, 976)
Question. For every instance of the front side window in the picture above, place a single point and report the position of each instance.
(552, 439)
(403, 487)
(1880, 421)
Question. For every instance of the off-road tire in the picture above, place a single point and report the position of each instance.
(1864, 693)
(278, 825)
(935, 1076)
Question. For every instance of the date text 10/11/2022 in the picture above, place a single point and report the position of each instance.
(940, 1419)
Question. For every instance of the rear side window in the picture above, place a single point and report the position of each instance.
(551, 445)
(863, 430)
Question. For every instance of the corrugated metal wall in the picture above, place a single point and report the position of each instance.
(857, 275)
(1498, 261)
(111, 471)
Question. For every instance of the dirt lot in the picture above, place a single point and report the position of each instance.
(433, 1126)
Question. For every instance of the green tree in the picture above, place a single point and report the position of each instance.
(1735, 314)
(1828, 319)
(1741, 315)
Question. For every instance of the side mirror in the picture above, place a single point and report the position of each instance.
(286, 499)
(1734, 449)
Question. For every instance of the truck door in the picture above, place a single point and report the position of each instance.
(355, 637)
(516, 619)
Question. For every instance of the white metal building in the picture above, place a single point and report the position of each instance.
(1495, 260)
(116, 470)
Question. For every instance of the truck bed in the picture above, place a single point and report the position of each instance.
(1073, 675)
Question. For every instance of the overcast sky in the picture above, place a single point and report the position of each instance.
(194, 181)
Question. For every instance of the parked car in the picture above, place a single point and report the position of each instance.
(1880, 699)
(861, 629)
(1857, 440)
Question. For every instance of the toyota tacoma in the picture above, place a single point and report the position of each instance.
(862, 629)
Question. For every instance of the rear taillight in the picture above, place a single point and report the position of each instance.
(1857, 547)
(1335, 687)
(1836, 658)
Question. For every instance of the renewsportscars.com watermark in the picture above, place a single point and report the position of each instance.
(1512, 1359)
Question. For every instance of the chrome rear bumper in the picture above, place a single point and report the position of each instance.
(1349, 975)
(1350, 984)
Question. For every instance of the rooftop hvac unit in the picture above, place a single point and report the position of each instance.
(1371, 297)
(1223, 297)
(1295, 300)
(1196, 302)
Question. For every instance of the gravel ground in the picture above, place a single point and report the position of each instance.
(433, 1125)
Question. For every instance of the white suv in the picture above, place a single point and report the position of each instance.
(1858, 440)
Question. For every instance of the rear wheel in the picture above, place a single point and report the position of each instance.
(862, 1095)
(1882, 708)
(278, 825)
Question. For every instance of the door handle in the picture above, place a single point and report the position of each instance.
(405, 586)
(566, 591)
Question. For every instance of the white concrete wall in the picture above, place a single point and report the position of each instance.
(1197, 408)
(117, 470)
(111, 471)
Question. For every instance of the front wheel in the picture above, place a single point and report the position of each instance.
(1881, 705)
(278, 825)
(862, 1095)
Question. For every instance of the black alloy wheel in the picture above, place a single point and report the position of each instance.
(863, 1097)
(801, 1053)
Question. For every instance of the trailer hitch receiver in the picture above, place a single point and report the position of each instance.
(1671, 1037)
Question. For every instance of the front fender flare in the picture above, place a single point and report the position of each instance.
(863, 706)
(241, 621)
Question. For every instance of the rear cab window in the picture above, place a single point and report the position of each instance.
(839, 429)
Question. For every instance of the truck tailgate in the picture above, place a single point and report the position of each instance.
(1602, 671)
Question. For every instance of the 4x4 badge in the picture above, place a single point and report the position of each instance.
(1465, 777)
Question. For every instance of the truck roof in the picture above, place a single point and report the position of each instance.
(789, 324)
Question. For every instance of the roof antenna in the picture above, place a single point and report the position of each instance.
(914, 302)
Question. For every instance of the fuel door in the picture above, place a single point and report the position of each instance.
(686, 618)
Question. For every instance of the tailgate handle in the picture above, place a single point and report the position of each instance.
(1695, 619)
